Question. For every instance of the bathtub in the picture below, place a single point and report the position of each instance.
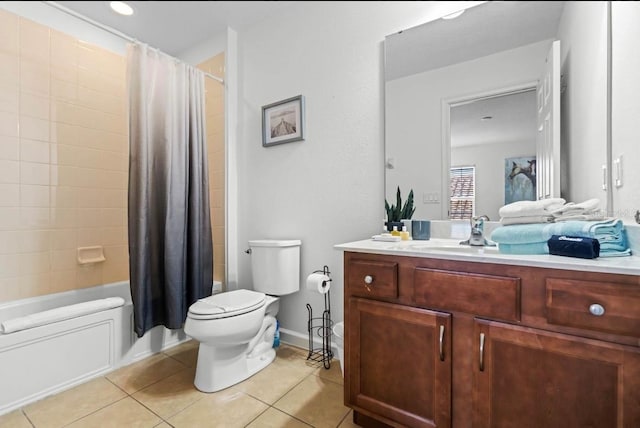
(43, 360)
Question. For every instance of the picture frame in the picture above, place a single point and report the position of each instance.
(283, 121)
(520, 179)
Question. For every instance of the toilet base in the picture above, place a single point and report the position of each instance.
(220, 368)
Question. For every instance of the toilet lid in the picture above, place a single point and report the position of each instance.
(227, 304)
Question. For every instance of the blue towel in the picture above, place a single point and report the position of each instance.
(524, 249)
(574, 246)
(532, 238)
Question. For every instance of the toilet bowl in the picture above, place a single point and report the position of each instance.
(236, 328)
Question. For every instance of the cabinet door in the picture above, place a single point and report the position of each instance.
(399, 363)
(531, 378)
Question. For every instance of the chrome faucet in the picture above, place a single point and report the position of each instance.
(477, 238)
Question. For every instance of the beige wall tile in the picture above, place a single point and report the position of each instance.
(64, 197)
(34, 151)
(34, 41)
(115, 273)
(34, 105)
(63, 239)
(8, 124)
(34, 218)
(34, 285)
(9, 32)
(32, 128)
(63, 91)
(63, 281)
(64, 218)
(9, 195)
(34, 241)
(9, 241)
(9, 266)
(34, 263)
(10, 218)
(34, 173)
(9, 148)
(64, 49)
(89, 237)
(9, 290)
(88, 275)
(34, 76)
(63, 260)
(114, 236)
(34, 196)
(9, 95)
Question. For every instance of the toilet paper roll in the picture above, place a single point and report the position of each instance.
(318, 282)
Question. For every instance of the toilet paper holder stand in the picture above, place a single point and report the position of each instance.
(322, 327)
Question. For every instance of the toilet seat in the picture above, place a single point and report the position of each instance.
(227, 304)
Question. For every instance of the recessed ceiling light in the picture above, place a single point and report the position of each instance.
(121, 7)
(453, 15)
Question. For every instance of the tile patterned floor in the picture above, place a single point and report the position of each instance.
(158, 392)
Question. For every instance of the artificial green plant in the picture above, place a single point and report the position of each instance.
(398, 211)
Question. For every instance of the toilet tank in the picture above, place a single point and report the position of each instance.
(275, 266)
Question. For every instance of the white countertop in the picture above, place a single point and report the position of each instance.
(450, 249)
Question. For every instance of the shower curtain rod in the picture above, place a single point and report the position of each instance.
(116, 32)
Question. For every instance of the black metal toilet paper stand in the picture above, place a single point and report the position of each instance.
(322, 327)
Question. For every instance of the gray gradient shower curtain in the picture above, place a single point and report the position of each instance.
(170, 243)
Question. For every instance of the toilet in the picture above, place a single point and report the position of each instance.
(236, 328)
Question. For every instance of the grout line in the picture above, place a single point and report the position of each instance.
(27, 417)
(95, 411)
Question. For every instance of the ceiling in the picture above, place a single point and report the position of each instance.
(479, 31)
(513, 119)
(175, 26)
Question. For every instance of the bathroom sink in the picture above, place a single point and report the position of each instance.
(466, 249)
(453, 246)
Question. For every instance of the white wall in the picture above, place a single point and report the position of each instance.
(584, 126)
(489, 160)
(414, 115)
(327, 189)
(625, 106)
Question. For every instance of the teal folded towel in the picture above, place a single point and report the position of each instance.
(610, 234)
(524, 249)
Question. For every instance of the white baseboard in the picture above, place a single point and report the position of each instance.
(301, 340)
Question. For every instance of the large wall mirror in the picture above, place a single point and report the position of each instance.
(462, 93)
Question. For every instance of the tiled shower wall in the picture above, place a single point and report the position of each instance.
(63, 160)
(214, 108)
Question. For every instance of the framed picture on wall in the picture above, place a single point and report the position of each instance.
(519, 179)
(283, 121)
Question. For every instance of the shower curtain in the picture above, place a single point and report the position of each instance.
(170, 242)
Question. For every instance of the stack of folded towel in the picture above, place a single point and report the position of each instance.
(549, 211)
(526, 212)
(588, 210)
(532, 238)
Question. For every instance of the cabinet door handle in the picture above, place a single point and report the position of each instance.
(368, 280)
(481, 352)
(442, 343)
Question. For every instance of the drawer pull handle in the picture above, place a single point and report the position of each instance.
(596, 309)
(481, 352)
(441, 343)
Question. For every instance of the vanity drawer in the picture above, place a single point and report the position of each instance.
(600, 306)
(373, 278)
(482, 295)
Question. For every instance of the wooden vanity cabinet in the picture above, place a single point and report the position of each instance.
(441, 343)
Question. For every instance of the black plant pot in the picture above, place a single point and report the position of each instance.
(390, 225)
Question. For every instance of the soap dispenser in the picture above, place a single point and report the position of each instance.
(404, 235)
(395, 231)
